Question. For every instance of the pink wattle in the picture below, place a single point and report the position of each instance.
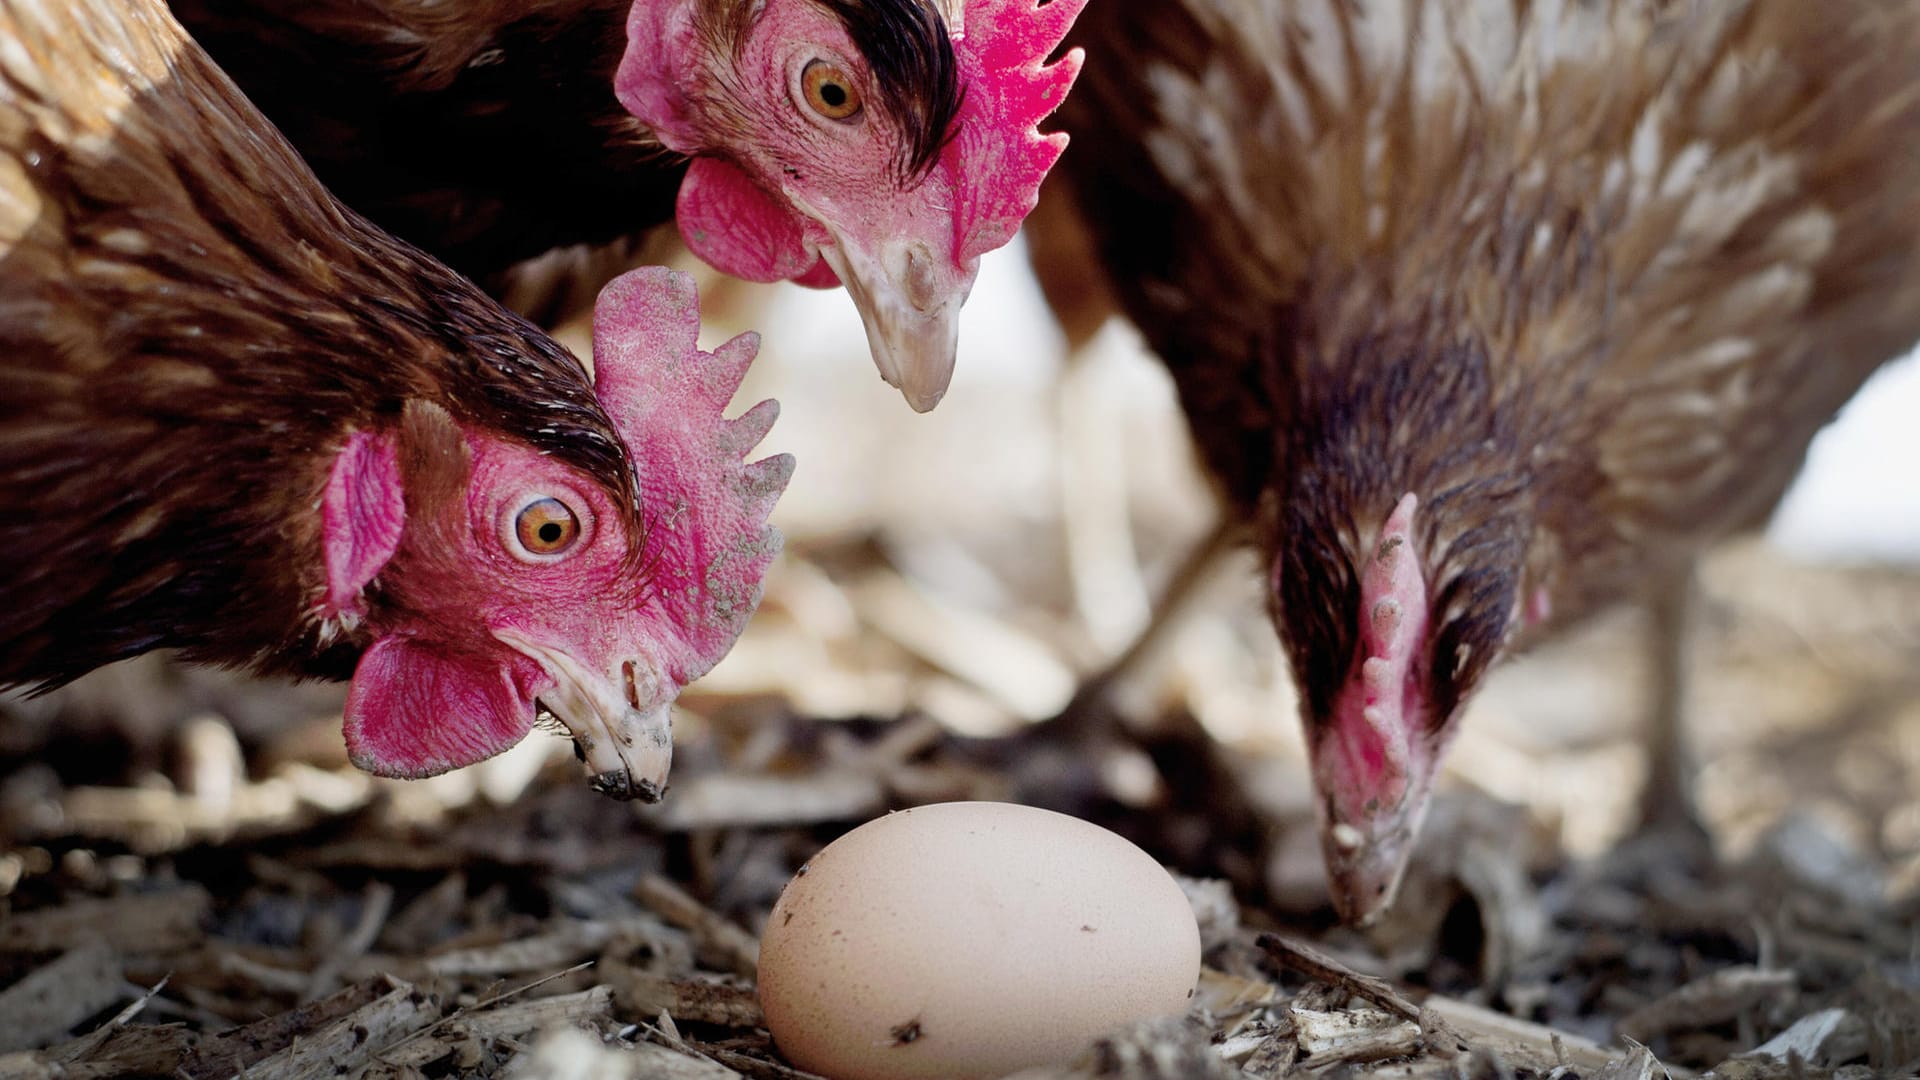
(738, 228)
(419, 709)
(820, 277)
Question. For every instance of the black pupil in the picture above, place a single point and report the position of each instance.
(550, 532)
(833, 94)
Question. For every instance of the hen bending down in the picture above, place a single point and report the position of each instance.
(883, 144)
(1489, 314)
(238, 420)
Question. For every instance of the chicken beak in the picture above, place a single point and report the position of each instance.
(1373, 797)
(627, 750)
(1365, 866)
(909, 300)
(628, 757)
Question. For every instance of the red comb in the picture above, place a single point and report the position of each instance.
(704, 510)
(1002, 47)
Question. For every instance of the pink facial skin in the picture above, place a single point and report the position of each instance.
(504, 581)
(1374, 765)
(780, 191)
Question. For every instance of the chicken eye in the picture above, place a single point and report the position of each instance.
(829, 91)
(546, 527)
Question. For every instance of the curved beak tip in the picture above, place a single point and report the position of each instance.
(621, 784)
(1360, 905)
(915, 354)
(922, 399)
(1363, 874)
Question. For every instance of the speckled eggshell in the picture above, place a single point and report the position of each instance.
(971, 940)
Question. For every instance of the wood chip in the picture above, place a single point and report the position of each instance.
(235, 1051)
(1637, 1064)
(425, 919)
(141, 1050)
(88, 1046)
(1356, 1034)
(46, 1005)
(522, 1017)
(375, 903)
(283, 982)
(567, 942)
(1519, 1041)
(756, 1068)
(142, 923)
(1274, 1056)
(1318, 965)
(157, 820)
(354, 1041)
(700, 1001)
(718, 938)
(569, 1054)
(473, 1030)
(1808, 1037)
(1165, 1048)
(1719, 997)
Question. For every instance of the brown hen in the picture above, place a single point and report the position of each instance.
(240, 421)
(1489, 314)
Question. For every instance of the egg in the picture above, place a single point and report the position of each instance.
(971, 940)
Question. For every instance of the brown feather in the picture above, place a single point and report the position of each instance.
(488, 133)
(190, 325)
(484, 132)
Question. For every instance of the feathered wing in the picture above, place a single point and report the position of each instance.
(1773, 260)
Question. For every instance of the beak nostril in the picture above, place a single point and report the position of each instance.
(920, 284)
(632, 681)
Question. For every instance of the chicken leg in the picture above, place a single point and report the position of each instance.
(1667, 806)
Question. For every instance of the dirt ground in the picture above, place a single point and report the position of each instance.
(194, 883)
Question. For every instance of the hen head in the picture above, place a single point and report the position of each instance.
(1403, 544)
(495, 582)
(873, 143)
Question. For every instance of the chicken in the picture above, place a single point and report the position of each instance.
(1487, 315)
(239, 421)
(886, 144)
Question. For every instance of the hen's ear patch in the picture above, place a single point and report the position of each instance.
(651, 79)
(362, 515)
(417, 709)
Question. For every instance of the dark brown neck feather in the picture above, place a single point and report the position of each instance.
(1409, 407)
